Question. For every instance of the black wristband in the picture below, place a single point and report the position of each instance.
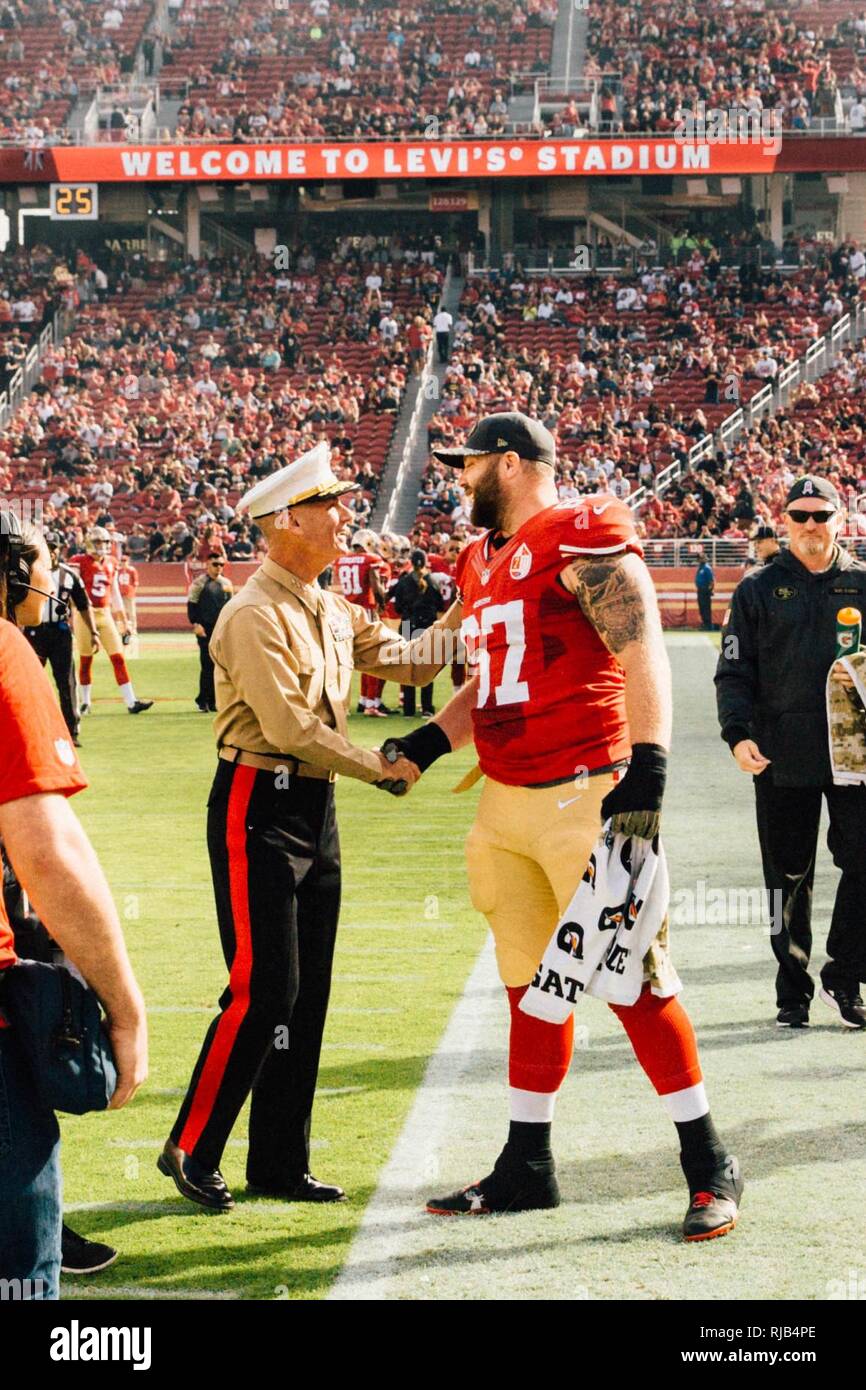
(643, 786)
(734, 734)
(423, 745)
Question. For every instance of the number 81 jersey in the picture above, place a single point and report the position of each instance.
(551, 697)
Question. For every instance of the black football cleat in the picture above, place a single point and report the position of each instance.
(793, 1016)
(306, 1189)
(140, 706)
(81, 1256)
(194, 1182)
(715, 1213)
(849, 1007)
(512, 1188)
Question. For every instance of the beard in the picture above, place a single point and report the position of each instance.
(488, 500)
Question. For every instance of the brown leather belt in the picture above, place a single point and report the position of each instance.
(276, 762)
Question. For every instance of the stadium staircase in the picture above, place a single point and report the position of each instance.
(397, 504)
(820, 358)
(567, 57)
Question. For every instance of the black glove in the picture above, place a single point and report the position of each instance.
(422, 746)
(126, 638)
(635, 803)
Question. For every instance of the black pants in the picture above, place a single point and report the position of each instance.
(275, 860)
(206, 694)
(52, 642)
(442, 342)
(409, 698)
(705, 607)
(788, 819)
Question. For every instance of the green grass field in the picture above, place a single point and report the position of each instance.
(791, 1103)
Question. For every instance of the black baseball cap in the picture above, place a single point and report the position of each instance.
(810, 486)
(765, 533)
(496, 434)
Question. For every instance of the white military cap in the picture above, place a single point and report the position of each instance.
(305, 480)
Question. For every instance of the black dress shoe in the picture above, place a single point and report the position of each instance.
(82, 1256)
(306, 1189)
(200, 1185)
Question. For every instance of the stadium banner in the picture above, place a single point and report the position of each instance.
(425, 159)
(163, 587)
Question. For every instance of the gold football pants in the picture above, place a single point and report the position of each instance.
(526, 854)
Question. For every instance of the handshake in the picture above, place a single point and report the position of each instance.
(406, 758)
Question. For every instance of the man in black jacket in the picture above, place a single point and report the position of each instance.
(778, 644)
(419, 602)
(204, 602)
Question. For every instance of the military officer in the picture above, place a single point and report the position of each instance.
(778, 645)
(284, 650)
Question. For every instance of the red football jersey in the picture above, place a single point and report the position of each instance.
(38, 755)
(354, 576)
(127, 580)
(444, 572)
(551, 697)
(97, 576)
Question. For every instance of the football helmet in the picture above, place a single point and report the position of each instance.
(99, 542)
(365, 540)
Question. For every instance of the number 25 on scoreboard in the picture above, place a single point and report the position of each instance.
(74, 202)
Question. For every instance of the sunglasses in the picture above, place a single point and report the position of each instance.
(218, 564)
(801, 516)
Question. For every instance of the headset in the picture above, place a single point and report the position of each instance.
(13, 562)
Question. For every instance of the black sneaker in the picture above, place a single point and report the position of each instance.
(849, 1007)
(793, 1016)
(713, 1211)
(519, 1188)
(140, 706)
(81, 1256)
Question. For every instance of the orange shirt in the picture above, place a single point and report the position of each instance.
(38, 756)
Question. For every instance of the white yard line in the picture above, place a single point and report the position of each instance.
(394, 1219)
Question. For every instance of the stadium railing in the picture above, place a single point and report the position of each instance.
(24, 378)
(682, 551)
(818, 358)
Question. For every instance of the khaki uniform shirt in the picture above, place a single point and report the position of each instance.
(284, 652)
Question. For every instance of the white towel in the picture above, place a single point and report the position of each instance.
(602, 937)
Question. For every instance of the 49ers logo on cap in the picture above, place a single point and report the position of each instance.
(808, 488)
(521, 562)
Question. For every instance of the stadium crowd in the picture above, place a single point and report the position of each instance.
(183, 383)
(341, 68)
(52, 51)
(630, 372)
(749, 56)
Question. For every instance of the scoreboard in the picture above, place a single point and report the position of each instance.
(74, 202)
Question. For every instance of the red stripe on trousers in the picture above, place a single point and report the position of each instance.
(220, 1052)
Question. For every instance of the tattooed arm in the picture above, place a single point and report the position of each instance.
(618, 597)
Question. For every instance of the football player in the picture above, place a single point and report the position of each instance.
(98, 570)
(359, 579)
(570, 709)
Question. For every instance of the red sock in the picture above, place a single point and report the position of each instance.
(371, 687)
(539, 1053)
(664, 1042)
(121, 675)
(84, 670)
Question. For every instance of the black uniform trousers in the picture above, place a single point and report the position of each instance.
(705, 608)
(275, 861)
(788, 820)
(206, 695)
(52, 642)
